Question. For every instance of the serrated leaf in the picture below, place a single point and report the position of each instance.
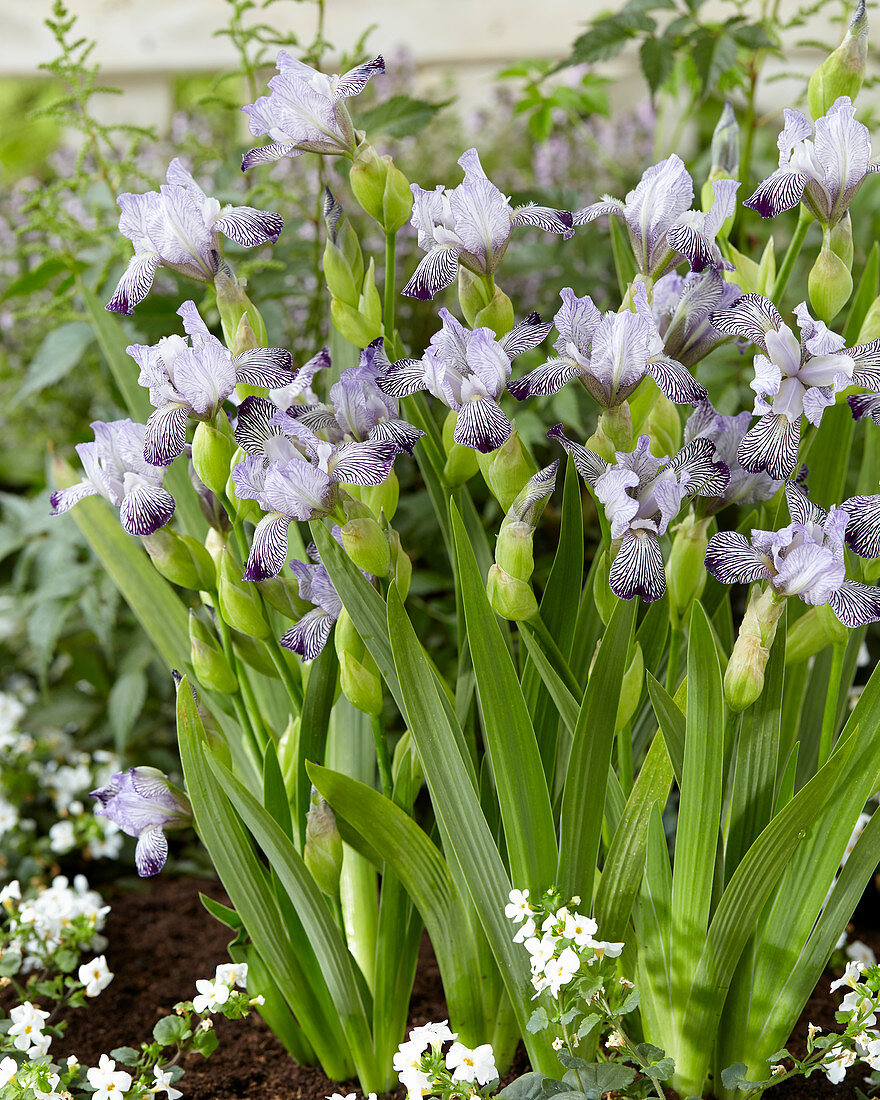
(400, 116)
(56, 357)
(658, 59)
(714, 54)
(537, 1021)
(205, 1042)
(597, 1078)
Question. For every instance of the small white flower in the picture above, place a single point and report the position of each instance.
(408, 1057)
(27, 1025)
(8, 1069)
(8, 816)
(414, 1080)
(472, 1065)
(163, 1083)
(518, 908)
(603, 949)
(871, 1053)
(11, 892)
(850, 976)
(108, 1082)
(258, 1001)
(813, 1030)
(211, 995)
(39, 1046)
(525, 931)
(615, 1040)
(541, 950)
(835, 1070)
(232, 974)
(861, 1005)
(860, 952)
(580, 929)
(559, 972)
(62, 837)
(95, 976)
(557, 1044)
(431, 1034)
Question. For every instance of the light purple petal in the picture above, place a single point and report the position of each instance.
(63, 499)
(266, 367)
(405, 377)
(866, 358)
(363, 463)
(544, 217)
(254, 425)
(576, 322)
(856, 604)
(165, 436)
(843, 147)
(297, 489)
(268, 548)
(487, 359)
(145, 509)
(247, 226)
(863, 404)
(597, 210)
(698, 470)
(637, 570)
(434, 272)
(801, 509)
(482, 220)
(530, 332)
(816, 336)
(780, 191)
(356, 79)
(481, 425)
(751, 318)
(135, 283)
(589, 465)
(678, 384)
(545, 380)
(772, 446)
(268, 154)
(151, 852)
(731, 559)
(310, 634)
(863, 529)
(403, 435)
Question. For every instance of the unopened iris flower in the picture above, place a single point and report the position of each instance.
(309, 636)
(194, 377)
(805, 559)
(642, 495)
(683, 305)
(821, 164)
(662, 227)
(305, 111)
(469, 225)
(179, 227)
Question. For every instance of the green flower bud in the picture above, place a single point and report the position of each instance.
(686, 571)
(725, 146)
(367, 546)
(842, 72)
(212, 451)
(233, 304)
(245, 338)
(361, 683)
(244, 509)
(283, 595)
(497, 315)
(630, 689)
(381, 188)
(379, 498)
(744, 678)
(362, 325)
(461, 462)
(513, 550)
(181, 559)
(511, 598)
(286, 748)
(401, 565)
(663, 425)
(830, 285)
(840, 240)
(322, 852)
(750, 277)
(215, 544)
(815, 629)
(603, 597)
(239, 601)
(474, 293)
(405, 756)
(614, 432)
(254, 654)
(507, 469)
(209, 662)
(339, 277)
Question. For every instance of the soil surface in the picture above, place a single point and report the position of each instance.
(161, 940)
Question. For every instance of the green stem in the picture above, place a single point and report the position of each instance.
(390, 296)
(253, 710)
(382, 757)
(829, 718)
(675, 639)
(805, 218)
(241, 712)
(294, 689)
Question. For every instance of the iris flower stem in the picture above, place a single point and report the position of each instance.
(675, 639)
(241, 711)
(794, 250)
(829, 718)
(390, 295)
(382, 757)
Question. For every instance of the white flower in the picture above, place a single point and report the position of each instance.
(339, 1096)
(108, 1082)
(27, 1025)
(603, 948)
(408, 1056)
(95, 976)
(163, 1083)
(525, 931)
(472, 1065)
(8, 816)
(835, 1070)
(10, 892)
(211, 995)
(580, 929)
(39, 1046)
(62, 837)
(557, 1044)
(8, 1069)
(541, 950)
(232, 974)
(433, 1034)
(863, 1006)
(518, 908)
(850, 976)
(615, 1039)
(54, 1093)
(108, 846)
(871, 1054)
(559, 972)
(860, 952)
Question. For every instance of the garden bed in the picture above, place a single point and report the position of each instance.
(162, 940)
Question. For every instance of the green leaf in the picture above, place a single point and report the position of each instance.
(317, 704)
(205, 1042)
(519, 776)
(459, 816)
(863, 297)
(10, 964)
(538, 1021)
(624, 261)
(170, 1030)
(580, 823)
(35, 280)
(55, 358)
(596, 1078)
(714, 55)
(221, 912)
(528, 1087)
(399, 116)
(128, 1056)
(124, 706)
(658, 58)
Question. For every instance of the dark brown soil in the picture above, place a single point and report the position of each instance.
(161, 940)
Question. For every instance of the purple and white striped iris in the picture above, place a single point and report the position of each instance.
(793, 377)
(863, 530)
(865, 404)
(467, 370)
(683, 305)
(116, 470)
(663, 229)
(193, 378)
(309, 636)
(823, 168)
(642, 495)
(609, 353)
(142, 802)
(805, 559)
(726, 434)
(469, 225)
(292, 474)
(358, 409)
(305, 111)
(179, 227)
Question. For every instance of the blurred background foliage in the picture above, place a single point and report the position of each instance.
(549, 134)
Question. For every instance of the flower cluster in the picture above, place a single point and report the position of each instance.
(39, 925)
(423, 1069)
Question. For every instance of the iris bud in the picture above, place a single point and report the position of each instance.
(744, 678)
(840, 240)
(663, 425)
(830, 285)
(686, 571)
(614, 432)
(238, 600)
(359, 675)
(513, 550)
(379, 498)
(286, 748)
(473, 294)
(322, 852)
(511, 598)
(212, 450)
(497, 315)
(842, 72)
(630, 689)
(209, 662)
(507, 469)
(181, 559)
(381, 188)
(461, 462)
(254, 653)
(283, 595)
(401, 565)
(233, 304)
(361, 325)
(367, 546)
(815, 629)
(405, 756)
